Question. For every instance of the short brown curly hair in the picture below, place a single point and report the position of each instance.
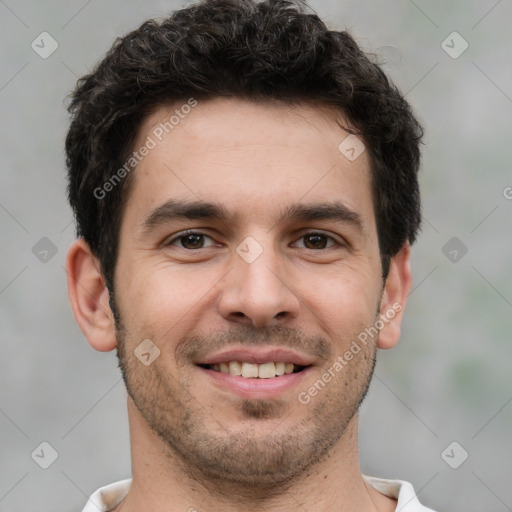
(271, 49)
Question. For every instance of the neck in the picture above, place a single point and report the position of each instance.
(162, 482)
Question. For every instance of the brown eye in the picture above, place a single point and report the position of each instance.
(316, 241)
(191, 240)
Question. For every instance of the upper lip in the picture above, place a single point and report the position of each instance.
(258, 356)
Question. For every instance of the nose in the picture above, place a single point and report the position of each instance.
(259, 293)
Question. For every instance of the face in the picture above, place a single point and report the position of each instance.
(248, 244)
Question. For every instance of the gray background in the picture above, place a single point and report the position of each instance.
(450, 377)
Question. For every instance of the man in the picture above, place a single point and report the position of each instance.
(245, 187)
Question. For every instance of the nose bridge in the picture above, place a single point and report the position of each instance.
(262, 273)
(257, 289)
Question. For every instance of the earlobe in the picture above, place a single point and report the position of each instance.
(89, 297)
(394, 297)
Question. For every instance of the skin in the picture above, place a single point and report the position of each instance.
(196, 444)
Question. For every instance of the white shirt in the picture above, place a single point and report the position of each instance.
(108, 497)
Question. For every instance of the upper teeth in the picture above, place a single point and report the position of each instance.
(263, 371)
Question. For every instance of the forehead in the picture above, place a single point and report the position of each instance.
(253, 157)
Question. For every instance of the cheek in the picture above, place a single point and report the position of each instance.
(343, 299)
(160, 302)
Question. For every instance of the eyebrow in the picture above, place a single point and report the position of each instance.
(175, 210)
(334, 211)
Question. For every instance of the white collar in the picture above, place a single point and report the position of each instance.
(108, 497)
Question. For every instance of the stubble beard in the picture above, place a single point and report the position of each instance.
(252, 460)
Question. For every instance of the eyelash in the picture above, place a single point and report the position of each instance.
(186, 233)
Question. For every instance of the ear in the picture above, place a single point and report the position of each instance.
(89, 297)
(394, 296)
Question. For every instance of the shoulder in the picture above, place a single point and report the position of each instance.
(108, 497)
(402, 491)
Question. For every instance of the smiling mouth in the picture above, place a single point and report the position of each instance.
(255, 371)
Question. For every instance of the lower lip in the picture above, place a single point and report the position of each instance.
(256, 387)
